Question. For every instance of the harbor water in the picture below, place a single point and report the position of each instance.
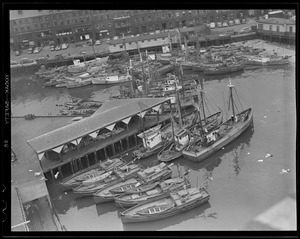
(243, 182)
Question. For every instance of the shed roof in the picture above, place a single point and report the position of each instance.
(109, 113)
(143, 37)
(274, 20)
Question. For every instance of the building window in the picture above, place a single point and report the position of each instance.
(177, 14)
(22, 28)
(20, 22)
(170, 15)
(86, 12)
(277, 28)
(87, 19)
(143, 19)
(16, 29)
(260, 26)
(42, 25)
(74, 14)
(28, 28)
(61, 22)
(20, 12)
(291, 29)
(270, 27)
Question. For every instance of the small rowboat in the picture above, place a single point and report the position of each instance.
(170, 205)
(98, 178)
(133, 188)
(155, 209)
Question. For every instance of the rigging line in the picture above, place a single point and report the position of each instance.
(245, 101)
(224, 105)
(237, 96)
(214, 102)
(212, 106)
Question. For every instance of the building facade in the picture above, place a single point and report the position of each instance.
(280, 29)
(42, 27)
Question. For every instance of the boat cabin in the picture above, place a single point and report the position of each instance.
(182, 137)
(151, 137)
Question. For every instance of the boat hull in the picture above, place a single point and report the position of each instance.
(197, 157)
(169, 213)
(223, 71)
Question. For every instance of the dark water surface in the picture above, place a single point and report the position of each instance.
(241, 187)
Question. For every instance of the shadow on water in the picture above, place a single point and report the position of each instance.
(103, 208)
(198, 212)
(84, 202)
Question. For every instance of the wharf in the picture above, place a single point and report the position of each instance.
(28, 183)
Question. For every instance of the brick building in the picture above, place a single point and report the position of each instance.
(57, 26)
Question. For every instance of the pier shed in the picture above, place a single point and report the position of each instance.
(112, 130)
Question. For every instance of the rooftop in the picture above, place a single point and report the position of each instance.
(143, 37)
(109, 113)
(280, 21)
(23, 130)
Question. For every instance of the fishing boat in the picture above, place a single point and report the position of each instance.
(161, 190)
(154, 173)
(120, 174)
(164, 58)
(108, 79)
(266, 60)
(170, 205)
(131, 188)
(166, 69)
(79, 83)
(152, 142)
(206, 144)
(223, 69)
(182, 137)
(98, 169)
(202, 66)
(188, 65)
(107, 193)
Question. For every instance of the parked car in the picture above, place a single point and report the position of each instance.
(245, 30)
(219, 24)
(90, 42)
(243, 21)
(37, 50)
(18, 52)
(225, 24)
(64, 46)
(212, 25)
(52, 48)
(231, 23)
(58, 47)
(97, 42)
(237, 21)
(30, 50)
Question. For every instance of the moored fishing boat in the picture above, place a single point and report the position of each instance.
(152, 142)
(107, 194)
(79, 83)
(172, 204)
(166, 69)
(108, 79)
(202, 66)
(154, 173)
(206, 144)
(120, 174)
(223, 69)
(182, 137)
(75, 179)
(161, 190)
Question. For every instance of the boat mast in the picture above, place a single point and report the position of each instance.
(145, 84)
(170, 42)
(178, 104)
(131, 85)
(231, 97)
(202, 101)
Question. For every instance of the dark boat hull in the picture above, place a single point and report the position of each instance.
(198, 157)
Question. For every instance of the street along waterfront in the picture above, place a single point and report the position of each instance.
(242, 181)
